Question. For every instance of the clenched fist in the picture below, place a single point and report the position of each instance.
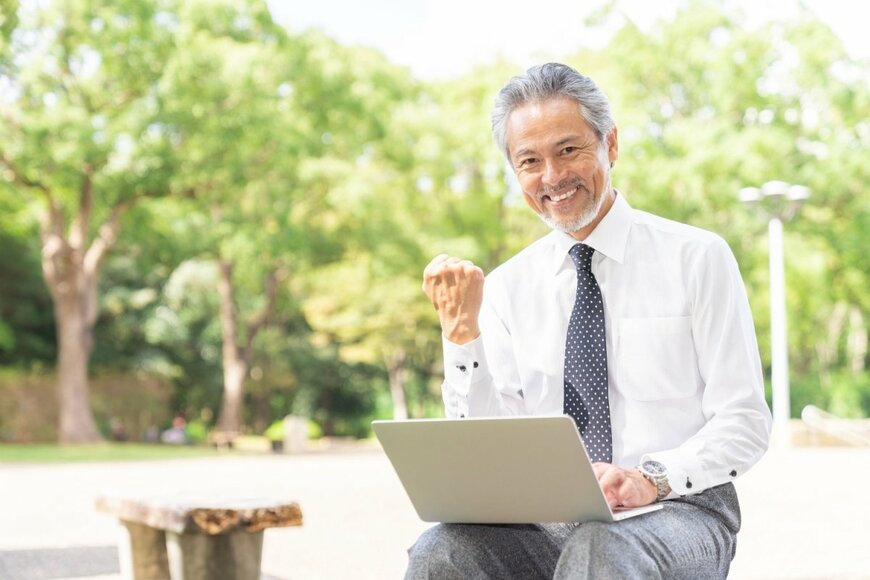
(455, 288)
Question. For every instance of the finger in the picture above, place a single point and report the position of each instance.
(432, 271)
(600, 469)
(463, 269)
(471, 270)
(611, 497)
(435, 263)
(444, 265)
(612, 482)
(452, 269)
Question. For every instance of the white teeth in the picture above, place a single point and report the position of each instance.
(565, 195)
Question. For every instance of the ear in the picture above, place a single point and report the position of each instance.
(612, 145)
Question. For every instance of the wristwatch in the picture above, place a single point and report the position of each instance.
(657, 474)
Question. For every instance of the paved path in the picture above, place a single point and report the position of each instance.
(806, 514)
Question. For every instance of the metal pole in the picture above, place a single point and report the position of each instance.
(778, 333)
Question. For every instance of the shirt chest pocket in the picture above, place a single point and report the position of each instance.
(655, 358)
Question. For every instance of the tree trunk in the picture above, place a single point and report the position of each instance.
(328, 424)
(237, 357)
(235, 373)
(826, 348)
(74, 339)
(397, 372)
(856, 343)
(235, 365)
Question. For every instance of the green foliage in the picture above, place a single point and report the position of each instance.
(26, 321)
(26, 318)
(848, 395)
(314, 430)
(275, 431)
(196, 431)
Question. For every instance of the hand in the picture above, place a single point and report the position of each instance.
(624, 487)
(455, 288)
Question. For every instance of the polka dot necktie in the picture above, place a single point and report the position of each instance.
(586, 361)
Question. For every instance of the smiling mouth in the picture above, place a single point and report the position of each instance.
(566, 195)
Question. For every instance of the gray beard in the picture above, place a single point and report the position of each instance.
(584, 219)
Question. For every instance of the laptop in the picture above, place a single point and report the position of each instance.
(497, 470)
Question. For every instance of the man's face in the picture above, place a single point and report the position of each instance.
(562, 165)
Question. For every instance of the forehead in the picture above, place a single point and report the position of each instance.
(539, 124)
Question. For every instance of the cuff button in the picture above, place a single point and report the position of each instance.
(475, 364)
(688, 483)
(733, 473)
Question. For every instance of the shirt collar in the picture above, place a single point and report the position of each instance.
(609, 237)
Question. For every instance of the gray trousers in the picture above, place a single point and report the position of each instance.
(692, 538)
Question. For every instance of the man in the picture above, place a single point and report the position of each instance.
(636, 326)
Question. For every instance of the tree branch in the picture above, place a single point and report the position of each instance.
(262, 319)
(78, 236)
(106, 238)
(56, 250)
(68, 79)
(21, 179)
(228, 311)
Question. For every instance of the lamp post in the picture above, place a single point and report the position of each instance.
(779, 202)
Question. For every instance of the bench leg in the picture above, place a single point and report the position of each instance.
(143, 553)
(232, 556)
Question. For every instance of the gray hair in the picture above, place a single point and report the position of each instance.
(547, 81)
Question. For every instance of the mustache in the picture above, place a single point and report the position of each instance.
(562, 185)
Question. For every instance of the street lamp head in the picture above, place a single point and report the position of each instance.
(776, 199)
(749, 194)
(775, 188)
(798, 193)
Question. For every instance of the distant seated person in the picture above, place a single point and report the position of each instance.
(636, 326)
(177, 434)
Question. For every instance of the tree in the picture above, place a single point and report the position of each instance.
(81, 139)
(290, 110)
(226, 113)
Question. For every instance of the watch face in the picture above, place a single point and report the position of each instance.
(654, 468)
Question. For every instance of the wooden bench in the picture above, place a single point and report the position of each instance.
(170, 537)
(223, 439)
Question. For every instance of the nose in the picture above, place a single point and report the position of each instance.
(553, 172)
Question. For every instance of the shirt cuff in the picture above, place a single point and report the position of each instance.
(686, 475)
(464, 364)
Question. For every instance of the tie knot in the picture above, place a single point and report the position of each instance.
(582, 256)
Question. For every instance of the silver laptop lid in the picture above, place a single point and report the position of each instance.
(494, 470)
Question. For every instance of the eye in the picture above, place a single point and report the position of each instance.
(526, 162)
(570, 149)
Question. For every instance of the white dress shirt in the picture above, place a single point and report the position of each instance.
(684, 375)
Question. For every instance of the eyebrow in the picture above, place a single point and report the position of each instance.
(564, 140)
(568, 139)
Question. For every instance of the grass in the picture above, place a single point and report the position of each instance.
(53, 453)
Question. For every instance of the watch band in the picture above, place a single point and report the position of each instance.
(657, 474)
